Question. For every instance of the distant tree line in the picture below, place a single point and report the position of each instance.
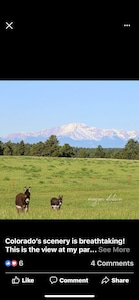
(52, 148)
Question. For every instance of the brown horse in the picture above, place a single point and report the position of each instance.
(56, 202)
(22, 200)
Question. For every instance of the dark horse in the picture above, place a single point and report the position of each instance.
(56, 202)
(22, 200)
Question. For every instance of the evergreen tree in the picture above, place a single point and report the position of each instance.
(99, 152)
(83, 153)
(51, 147)
(131, 150)
(37, 149)
(1, 148)
(66, 151)
(8, 149)
(21, 148)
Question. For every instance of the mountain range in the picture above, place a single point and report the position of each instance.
(78, 135)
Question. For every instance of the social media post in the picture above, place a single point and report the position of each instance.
(73, 259)
(69, 159)
(67, 152)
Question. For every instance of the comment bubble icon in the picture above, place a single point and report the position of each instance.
(53, 279)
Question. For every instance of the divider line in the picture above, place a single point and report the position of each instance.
(69, 296)
(70, 273)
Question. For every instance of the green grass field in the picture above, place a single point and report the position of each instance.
(91, 188)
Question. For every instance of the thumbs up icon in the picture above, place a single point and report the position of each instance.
(15, 280)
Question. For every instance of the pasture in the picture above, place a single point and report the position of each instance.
(91, 188)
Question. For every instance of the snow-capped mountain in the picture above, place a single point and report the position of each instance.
(77, 134)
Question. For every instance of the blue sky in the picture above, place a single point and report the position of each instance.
(29, 106)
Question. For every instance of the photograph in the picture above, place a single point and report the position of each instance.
(69, 150)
